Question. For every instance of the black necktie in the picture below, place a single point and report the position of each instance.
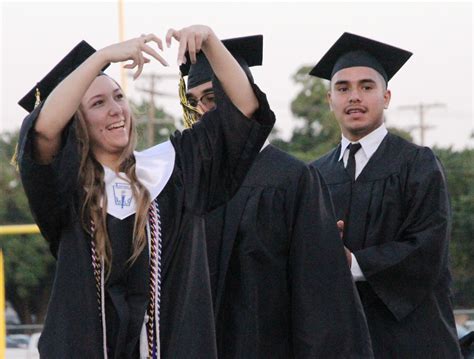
(351, 163)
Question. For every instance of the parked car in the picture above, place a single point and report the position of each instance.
(17, 349)
(18, 341)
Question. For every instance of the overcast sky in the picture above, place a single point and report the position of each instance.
(36, 35)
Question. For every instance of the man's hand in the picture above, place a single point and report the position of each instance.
(340, 226)
(348, 256)
(191, 39)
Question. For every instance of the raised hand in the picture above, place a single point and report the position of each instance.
(135, 50)
(191, 39)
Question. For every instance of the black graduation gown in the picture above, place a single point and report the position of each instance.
(126, 291)
(399, 231)
(284, 289)
(211, 162)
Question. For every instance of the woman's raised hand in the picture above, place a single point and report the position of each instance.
(135, 50)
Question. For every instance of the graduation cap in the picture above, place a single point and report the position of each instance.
(247, 50)
(67, 65)
(353, 50)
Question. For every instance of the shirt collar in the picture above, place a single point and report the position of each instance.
(369, 143)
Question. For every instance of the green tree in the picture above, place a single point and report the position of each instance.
(13, 206)
(163, 124)
(459, 167)
(29, 266)
(29, 272)
(401, 132)
(317, 131)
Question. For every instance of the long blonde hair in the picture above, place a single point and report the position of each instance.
(94, 205)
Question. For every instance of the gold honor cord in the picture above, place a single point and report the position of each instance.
(191, 114)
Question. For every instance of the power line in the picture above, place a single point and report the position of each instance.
(421, 108)
(121, 23)
(151, 90)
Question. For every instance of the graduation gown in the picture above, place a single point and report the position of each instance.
(399, 231)
(211, 161)
(282, 285)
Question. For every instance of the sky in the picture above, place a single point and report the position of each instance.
(35, 35)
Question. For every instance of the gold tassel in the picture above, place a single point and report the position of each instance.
(37, 97)
(191, 114)
(14, 159)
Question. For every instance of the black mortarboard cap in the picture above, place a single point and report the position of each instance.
(247, 50)
(67, 65)
(353, 50)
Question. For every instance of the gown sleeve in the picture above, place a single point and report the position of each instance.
(402, 272)
(49, 188)
(328, 320)
(216, 153)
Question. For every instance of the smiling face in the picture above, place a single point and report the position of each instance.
(107, 116)
(358, 97)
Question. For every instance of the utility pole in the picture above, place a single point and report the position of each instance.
(154, 79)
(421, 108)
(121, 23)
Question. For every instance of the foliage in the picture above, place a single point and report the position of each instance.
(162, 122)
(459, 167)
(29, 266)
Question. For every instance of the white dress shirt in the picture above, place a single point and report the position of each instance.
(369, 145)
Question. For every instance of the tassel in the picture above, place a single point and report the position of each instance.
(14, 159)
(191, 114)
(37, 97)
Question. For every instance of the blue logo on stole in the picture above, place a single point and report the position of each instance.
(122, 194)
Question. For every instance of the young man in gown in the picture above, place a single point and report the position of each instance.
(281, 285)
(391, 200)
